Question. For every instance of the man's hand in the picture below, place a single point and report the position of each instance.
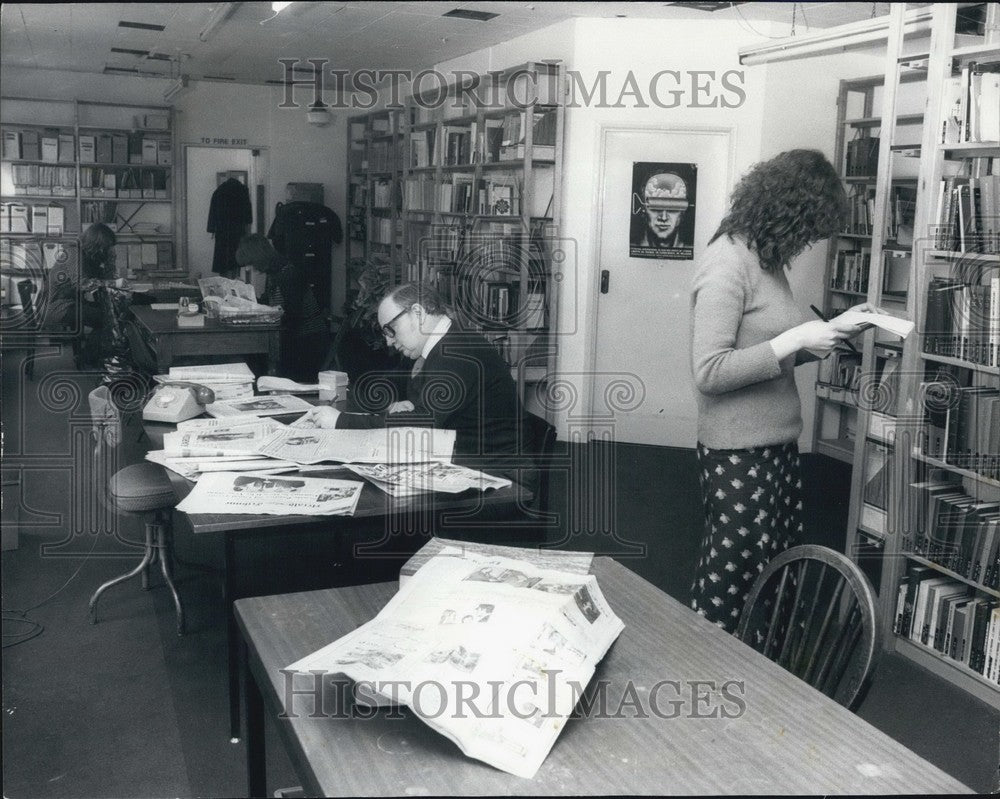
(401, 407)
(321, 416)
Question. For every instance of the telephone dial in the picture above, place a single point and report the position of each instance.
(177, 401)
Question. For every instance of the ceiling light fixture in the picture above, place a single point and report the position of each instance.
(318, 115)
(277, 8)
(176, 88)
(841, 37)
(220, 14)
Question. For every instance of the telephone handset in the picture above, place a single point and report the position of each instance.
(177, 401)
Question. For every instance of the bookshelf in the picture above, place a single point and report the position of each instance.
(460, 188)
(80, 162)
(925, 493)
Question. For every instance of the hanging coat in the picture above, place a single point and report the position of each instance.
(305, 233)
(228, 217)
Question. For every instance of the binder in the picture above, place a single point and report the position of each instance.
(39, 218)
(164, 255)
(56, 219)
(66, 148)
(11, 145)
(19, 215)
(103, 151)
(164, 153)
(149, 151)
(29, 145)
(119, 148)
(87, 149)
(50, 148)
(135, 147)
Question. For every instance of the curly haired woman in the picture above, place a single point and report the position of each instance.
(747, 336)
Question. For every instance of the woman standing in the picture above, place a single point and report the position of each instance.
(304, 332)
(747, 336)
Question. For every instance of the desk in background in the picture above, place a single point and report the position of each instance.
(168, 341)
(790, 739)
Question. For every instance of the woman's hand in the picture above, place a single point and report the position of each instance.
(816, 336)
(322, 416)
(401, 407)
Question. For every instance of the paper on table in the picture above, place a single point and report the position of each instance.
(383, 445)
(228, 492)
(531, 637)
(243, 440)
(270, 383)
(271, 405)
(562, 560)
(416, 478)
(226, 287)
(212, 371)
(229, 423)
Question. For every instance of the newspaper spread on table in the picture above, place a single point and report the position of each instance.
(244, 439)
(230, 492)
(382, 445)
(225, 287)
(523, 639)
(404, 480)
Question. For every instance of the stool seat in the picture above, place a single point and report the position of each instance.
(141, 487)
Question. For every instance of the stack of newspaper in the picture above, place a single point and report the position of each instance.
(229, 381)
(521, 640)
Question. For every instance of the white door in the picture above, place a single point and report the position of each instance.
(202, 166)
(653, 183)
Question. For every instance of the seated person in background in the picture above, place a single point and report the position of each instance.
(305, 336)
(68, 291)
(458, 382)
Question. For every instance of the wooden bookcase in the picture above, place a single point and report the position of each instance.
(461, 188)
(919, 550)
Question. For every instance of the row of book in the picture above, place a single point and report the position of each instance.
(382, 231)
(382, 194)
(862, 157)
(841, 369)
(946, 615)
(966, 431)
(127, 183)
(144, 257)
(37, 179)
(971, 104)
(945, 524)
(860, 210)
(496, 140)
(851, 270)
(967, 217)
(380, 156)
(45, 219)
(963, 319)
(463, 194)
(101, 148)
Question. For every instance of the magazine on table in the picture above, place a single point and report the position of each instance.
(242, 440)
(228, 423)
(230, 492)
(214, 372)
(528, 638)
(383, 445)
(271, 405)
(192, 468)
(404, 480)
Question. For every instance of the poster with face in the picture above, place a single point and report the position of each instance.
(663, 205)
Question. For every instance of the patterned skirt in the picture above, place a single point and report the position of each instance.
(753, 509)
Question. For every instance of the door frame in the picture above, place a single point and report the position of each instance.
(181, 178)
(604, 130)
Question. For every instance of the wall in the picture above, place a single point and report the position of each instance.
(297, 151)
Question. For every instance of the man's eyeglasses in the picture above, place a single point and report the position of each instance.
(387, 329)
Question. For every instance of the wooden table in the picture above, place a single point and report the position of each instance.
(788, 739)
(383, 529)
(169, 341)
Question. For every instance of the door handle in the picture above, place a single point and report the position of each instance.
(605, 280)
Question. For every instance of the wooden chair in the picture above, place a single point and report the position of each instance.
(812, 611)
(141, 488)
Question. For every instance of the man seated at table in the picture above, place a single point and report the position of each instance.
(458, 382)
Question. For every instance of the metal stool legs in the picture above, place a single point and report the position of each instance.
(158, 550)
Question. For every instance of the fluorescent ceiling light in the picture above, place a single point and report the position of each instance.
(220, 14)
(277, 8)
(853, 34)
(176, 88)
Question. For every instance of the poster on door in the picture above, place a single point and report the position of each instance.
(663, 204)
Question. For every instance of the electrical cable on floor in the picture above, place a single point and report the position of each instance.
(38, 627)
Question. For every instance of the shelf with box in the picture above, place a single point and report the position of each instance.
(81, 162)
(941, 590)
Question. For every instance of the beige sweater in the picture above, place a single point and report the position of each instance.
(746, 397)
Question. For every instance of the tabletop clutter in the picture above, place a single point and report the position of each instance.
(518, 631)
(236, 453)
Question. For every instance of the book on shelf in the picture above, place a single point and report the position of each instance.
(851, 271)
(965, 217)
(862, 157)
(11, 145)
(30, 148)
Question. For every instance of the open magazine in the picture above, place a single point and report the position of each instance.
(231, 492)
(380, 445)
(523, 639)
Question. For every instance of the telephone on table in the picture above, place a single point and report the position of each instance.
(176, 402)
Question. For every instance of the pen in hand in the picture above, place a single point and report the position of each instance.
(820, 314)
